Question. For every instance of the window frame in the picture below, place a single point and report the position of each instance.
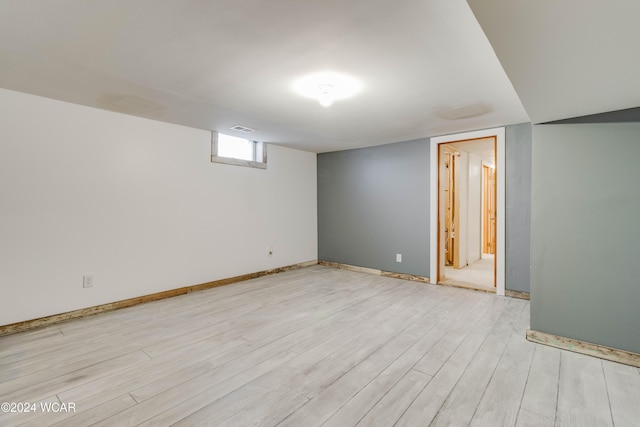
(257, 145)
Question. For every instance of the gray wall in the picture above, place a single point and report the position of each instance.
(518, 206)
(585, 281)
(374, 203)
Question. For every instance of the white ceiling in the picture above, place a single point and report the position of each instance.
(567, 58)
(425, 65)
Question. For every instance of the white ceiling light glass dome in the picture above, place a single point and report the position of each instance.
(327, 87)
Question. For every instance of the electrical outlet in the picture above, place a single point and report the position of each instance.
(87, 281)
(270, 250)
(398, 257)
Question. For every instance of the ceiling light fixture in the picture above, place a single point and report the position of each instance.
(327, 87)
(325, 97)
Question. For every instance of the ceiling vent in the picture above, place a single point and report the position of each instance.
(242, 129)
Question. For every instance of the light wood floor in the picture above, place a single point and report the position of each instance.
(316, 346)
(478, 275)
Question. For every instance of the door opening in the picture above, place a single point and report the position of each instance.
(466, 191)
(469, 198)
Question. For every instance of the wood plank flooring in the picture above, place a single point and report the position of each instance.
(310, 347)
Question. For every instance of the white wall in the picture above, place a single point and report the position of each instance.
(137, 204)
(474, 235)
(462, 200)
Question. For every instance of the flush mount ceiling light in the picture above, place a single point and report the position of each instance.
(327, 87)
(325, 97)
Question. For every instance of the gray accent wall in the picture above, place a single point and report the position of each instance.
(618, 116)
(585, 281)
(518, 207)
(373, 203)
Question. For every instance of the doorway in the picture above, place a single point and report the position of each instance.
(466, 213)
(467, 228)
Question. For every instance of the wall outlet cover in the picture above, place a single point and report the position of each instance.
(87, 281)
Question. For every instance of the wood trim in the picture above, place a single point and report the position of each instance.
(84, 312)
(582, 347)
(375, 271)
(403, 276)
(464, 285)
(454, 205)
(355, 268)
(517, 294)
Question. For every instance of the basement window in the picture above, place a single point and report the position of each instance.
(233, 150)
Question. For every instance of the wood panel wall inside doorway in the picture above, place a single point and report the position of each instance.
(489, 210)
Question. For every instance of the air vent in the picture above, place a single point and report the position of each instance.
(242, 129)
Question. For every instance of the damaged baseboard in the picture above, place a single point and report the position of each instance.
(89, 311)
(582, 347)
(375, 271)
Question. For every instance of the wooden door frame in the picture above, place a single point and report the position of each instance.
(434, 229)
(488, 174)
(450, 184)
